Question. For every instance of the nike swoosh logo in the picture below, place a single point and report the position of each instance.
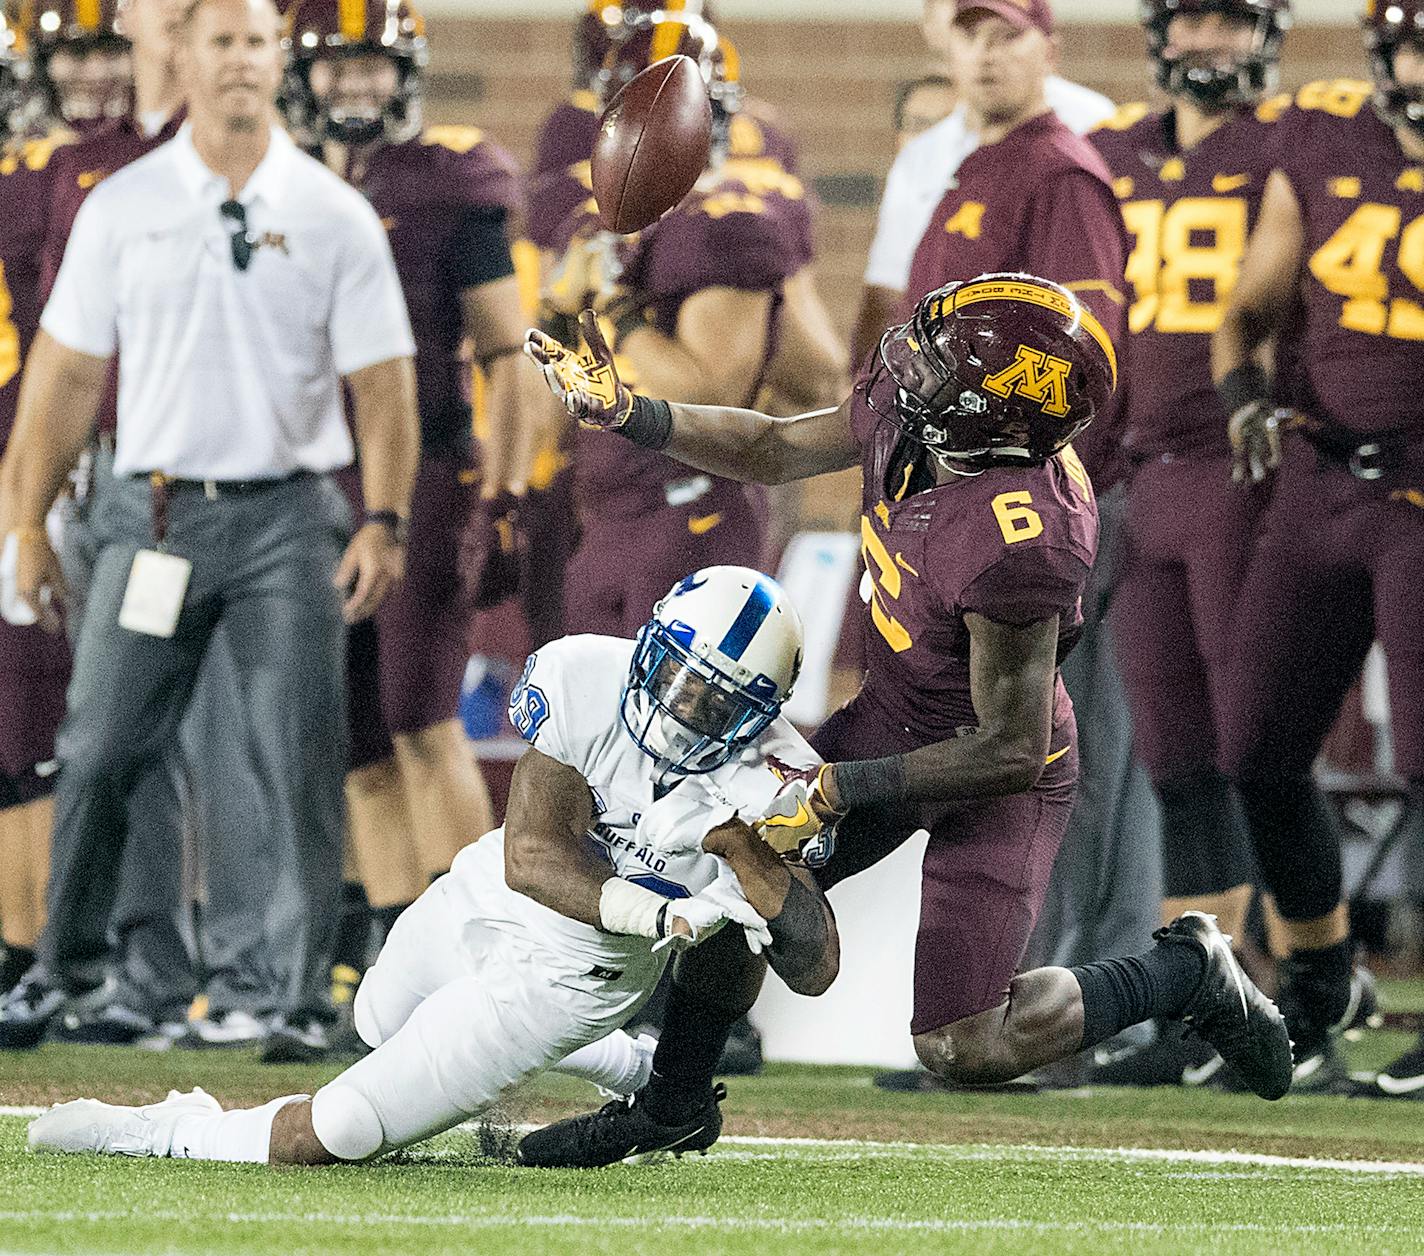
(700, 524)
(801, 817)
(1200, 1074)
(1058, 754)
(1399, 1085)
(1229, 182)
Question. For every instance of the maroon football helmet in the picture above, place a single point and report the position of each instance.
(1386, 25)
(78, 28)
(316, 29)
(999, 369)
(14, 70)
(1218, 84)
(605, 25)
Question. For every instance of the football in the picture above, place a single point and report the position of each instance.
(653, 142)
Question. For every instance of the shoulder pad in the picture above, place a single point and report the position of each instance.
(1342, 98)
(1126, 117)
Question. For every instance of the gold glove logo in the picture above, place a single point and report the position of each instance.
(1039, 376)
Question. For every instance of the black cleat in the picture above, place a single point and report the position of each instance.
(27, 1010)
(300, 1040)
(616, 1131)
(1170, 1059)
(1230, 1013)
(1363, 1010)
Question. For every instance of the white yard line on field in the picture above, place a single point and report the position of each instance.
(849, 1147)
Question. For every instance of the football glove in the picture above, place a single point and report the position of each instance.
(799, 824)
(492, 552)
(1255, 434)
(711, 908)
(587, 383)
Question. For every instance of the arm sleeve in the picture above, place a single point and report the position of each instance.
(1026, 586)
(82, 311)
(368, 321)
(479, 247)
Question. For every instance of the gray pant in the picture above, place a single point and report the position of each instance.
(262, 567)
(1104, 897)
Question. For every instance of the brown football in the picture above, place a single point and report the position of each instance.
(654, 140)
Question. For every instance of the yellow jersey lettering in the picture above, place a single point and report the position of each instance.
(9, 334)
(1018, 520)
(1037, 375)
(458, 139)
(967, 220)
(885, 583)
(1343, 98)
(1168, 254)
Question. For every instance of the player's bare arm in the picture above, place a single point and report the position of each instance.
(739, 444)
(805, 946)
(494, 322)
(59, 397)
(1260, 302)
(718, 351)
(547, 854)
(388, 445)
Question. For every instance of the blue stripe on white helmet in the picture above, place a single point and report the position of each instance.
(711, 668)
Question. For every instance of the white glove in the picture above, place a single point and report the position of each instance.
(672, 827)
(709, 909)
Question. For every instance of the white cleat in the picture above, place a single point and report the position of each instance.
(108, 1129)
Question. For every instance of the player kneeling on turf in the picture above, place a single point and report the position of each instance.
(549, 933)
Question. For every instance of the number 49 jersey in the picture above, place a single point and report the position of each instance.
(1014, 545)
(567, 705)
(1362, 203)
(1189, 213)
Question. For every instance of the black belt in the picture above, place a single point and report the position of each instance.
(221, 488)
(1365, 457)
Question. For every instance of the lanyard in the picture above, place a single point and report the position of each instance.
(159, 495)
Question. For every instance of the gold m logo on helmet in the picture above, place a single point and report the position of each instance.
(1039, 376)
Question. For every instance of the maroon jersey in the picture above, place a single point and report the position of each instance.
(1014, 545)
(443, 198)
(748, 230)
(26, 172)
(1039, 201)
(1189, 213)
(1362, 203)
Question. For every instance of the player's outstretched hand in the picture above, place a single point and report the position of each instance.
(693, 920)
(588, 383)
(1255, 433)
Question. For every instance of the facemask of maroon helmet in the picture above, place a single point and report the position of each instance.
(316, 29)
(1000, 369)
(1387, 24)
(1216, 81)
(79, 66)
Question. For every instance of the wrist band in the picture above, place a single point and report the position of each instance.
(398, 525)
(627, 908)
(1243, 385)
(649, 426)
(866, 782)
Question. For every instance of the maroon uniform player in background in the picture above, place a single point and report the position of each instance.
(980, 528)
(1341, 548)
(447, 196)
(1189, 179)
(694, 306)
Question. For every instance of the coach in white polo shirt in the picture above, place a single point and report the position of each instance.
(240, 283)
(924, 170)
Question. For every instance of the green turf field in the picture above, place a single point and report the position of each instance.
(815, 1161)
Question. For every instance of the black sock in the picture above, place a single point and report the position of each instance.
(353, 931)
(1122, 992)
(1319, 980)
(693, 1039)
(385, 918)
(17, 962)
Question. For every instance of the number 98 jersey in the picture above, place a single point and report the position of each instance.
(1189, 213)
(1362, 203)
(1014, 545)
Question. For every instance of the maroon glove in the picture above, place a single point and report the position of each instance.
(492, 552)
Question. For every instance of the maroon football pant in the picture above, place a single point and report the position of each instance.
(405, 665)
(984, 876)
(625, 564)
(34, 673)
(1339, 563)
(1187, 546)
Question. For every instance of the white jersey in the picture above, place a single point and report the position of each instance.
(926, 166)
(567, 705)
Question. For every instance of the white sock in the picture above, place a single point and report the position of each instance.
(243, 1135)
(617, 1063)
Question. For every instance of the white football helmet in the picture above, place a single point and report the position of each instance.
(711, 669)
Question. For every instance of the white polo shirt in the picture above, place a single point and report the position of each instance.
(925, 167)
(228, 375)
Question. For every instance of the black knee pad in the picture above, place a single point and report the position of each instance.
(1206, 848)
(1297, 844)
